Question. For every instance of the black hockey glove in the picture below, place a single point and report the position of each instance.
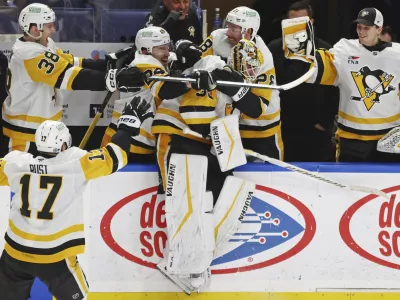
(187, 53)
(227, 74)
(171, 18)
(128, 79)
(204, 80)
(119, 59)
(133, 115)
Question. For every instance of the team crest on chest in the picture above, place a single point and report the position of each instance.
(372, 84)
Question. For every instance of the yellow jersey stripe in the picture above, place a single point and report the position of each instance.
(34, 119)
(45, 238)
(370, 121)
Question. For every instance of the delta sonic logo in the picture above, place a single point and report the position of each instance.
(381, 219)
(276, 227)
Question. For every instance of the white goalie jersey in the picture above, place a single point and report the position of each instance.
(369, 87)
(46, 218)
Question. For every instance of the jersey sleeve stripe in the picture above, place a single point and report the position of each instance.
(320, 69)
(72, 77)
(118, 156)
(3, 175)
(60, 80)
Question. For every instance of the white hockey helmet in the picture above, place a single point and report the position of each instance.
(51, 136)
(246, 18)
(150, 37)
(35, 13)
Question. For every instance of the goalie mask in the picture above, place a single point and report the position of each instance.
(51, 136)
(247, 59)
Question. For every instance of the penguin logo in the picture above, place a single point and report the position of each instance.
(371, 85)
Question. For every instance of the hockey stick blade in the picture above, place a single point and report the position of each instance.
(284, 87)
(290, 167)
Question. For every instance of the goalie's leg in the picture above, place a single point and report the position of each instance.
(230, 209)
(189, 220)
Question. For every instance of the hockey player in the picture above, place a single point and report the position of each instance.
(367, 72)
(192, 178)
(151, 58)
(38, 68)
(262, 134)
(46, 228)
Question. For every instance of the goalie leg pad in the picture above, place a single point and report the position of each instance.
(230, 209)
(227, 143)
(188, 214)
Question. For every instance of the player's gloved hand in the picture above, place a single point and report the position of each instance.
(172, 18)
(118, 60)
(228, 74)
(298, 39)
(134, 114)
(187, 53)
(128, 79)
(204, 80)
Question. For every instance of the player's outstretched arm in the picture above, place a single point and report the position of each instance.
(114, 156)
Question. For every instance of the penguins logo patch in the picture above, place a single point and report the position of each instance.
(371, 85)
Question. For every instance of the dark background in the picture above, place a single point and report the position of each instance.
(332, 17)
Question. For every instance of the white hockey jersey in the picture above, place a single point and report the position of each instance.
(369, 87)
(144, 143)
(34, 72)
(268, 123)
(46, 218)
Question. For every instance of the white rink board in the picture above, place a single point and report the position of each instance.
(79, 106)
(295, 238)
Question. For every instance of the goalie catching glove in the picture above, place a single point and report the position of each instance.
(227, 74)
(133, 115)
(128, 79)
(298, 39)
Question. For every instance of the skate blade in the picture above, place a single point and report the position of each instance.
(175, 280)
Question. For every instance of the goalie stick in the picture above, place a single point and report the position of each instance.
(291, 167)
(284, 87)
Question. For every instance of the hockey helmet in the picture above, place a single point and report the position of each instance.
(35, 13)
(246, 18)
(247, 59)
(150, 37)
(51, 136)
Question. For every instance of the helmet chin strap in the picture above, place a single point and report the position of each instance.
(37, 38)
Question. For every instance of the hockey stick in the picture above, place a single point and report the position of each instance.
(290, 167)
(284, 87)
(95, 121)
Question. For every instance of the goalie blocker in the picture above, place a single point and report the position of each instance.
(196, 231)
